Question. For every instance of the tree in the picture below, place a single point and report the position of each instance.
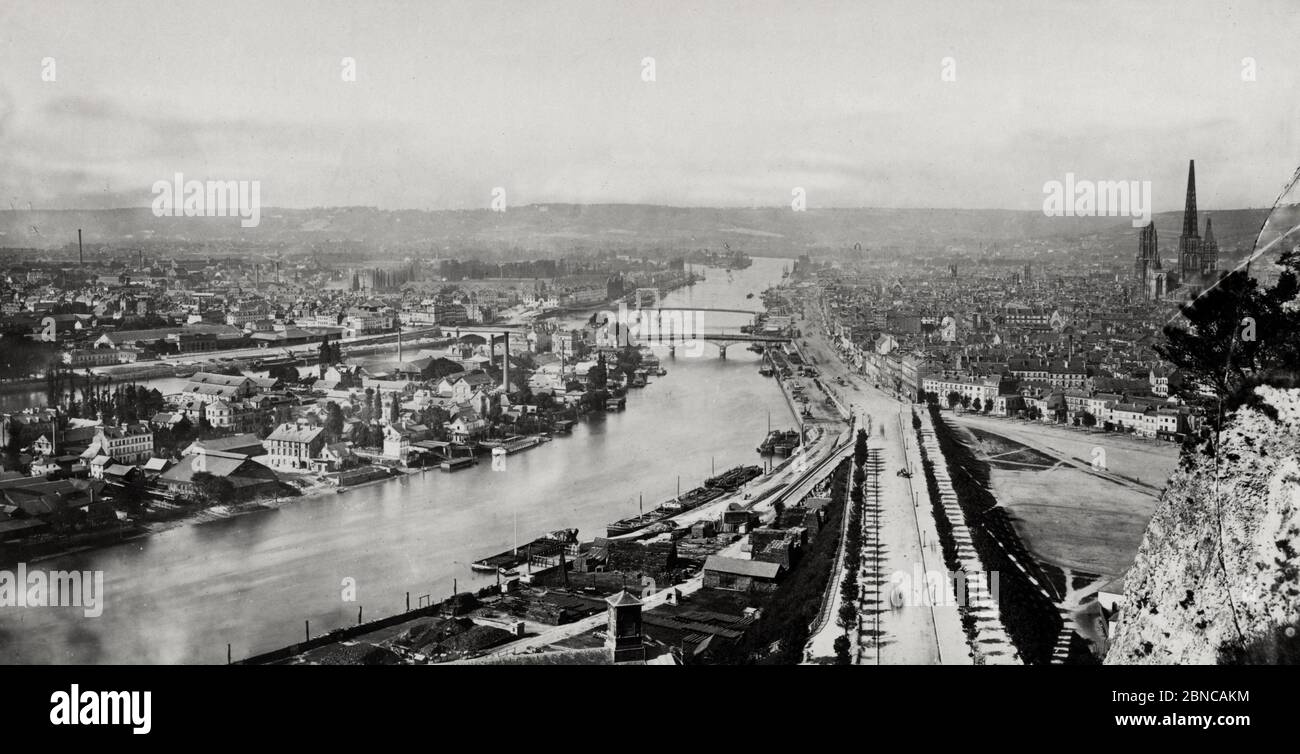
(204, 426)
(1089, 420)
(284, 372)
(14, 446)
(953, 399)
(133, 494)
(965, 401)
(394, 408)
(842, 650)
(366, 413)
(597, 377)
(210, 489)
(1237, 336)
(977, 404)
(848, 617)
(333, 421)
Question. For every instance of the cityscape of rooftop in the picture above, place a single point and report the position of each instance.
(570, 334)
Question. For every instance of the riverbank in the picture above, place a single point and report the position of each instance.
(252, 580)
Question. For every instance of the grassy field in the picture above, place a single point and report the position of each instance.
(1068, 513)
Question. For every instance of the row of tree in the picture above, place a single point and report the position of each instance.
(848, 614)
(87, 395)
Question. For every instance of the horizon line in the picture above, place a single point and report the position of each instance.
(643, 204)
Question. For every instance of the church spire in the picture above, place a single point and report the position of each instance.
(1189, 210)
(1189, 243)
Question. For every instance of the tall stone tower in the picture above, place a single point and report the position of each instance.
(1189, 243)
(1148, 259)
(1209, 251)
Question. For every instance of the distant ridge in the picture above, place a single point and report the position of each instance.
(560, 227)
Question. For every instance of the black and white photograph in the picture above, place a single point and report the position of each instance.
(575, 332)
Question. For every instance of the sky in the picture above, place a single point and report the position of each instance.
(548, 100)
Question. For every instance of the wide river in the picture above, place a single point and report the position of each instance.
(181, 595)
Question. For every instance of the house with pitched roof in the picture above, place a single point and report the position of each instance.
(292, 448)
(248, 477)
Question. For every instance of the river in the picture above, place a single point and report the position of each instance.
(181, 595)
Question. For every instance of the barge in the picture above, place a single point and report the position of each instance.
(692, 499)
(515, 444)
(732, 479)
(543, 552)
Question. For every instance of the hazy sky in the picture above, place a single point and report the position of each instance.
(546, 99)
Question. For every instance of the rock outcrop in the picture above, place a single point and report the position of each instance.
(1217, 577)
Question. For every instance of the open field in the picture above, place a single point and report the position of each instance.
(1067, 512)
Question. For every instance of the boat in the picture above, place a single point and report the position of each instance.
(516, 444)
(661, 372)
(671, 507)
(779, 442)
(543, 551)
(733, 478)
(341, 490)
(750, 296)
(456, 464)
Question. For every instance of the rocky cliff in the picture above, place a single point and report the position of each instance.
(1217, 577)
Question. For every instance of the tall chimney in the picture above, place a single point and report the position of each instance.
(505, 366)
(81, 257)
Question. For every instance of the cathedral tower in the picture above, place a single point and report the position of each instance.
(1189, 243)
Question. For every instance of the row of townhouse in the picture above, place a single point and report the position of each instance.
(1142, 417)
(1149, 421)
(984, 389)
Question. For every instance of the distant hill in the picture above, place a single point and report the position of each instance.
(565, 227)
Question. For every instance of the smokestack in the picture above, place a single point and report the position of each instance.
(505, 366)
(81, 257)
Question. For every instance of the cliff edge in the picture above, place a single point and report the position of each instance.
(1217, 576)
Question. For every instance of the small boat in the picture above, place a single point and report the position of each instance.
(661, 372)
(341, 490)
(750, 296)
